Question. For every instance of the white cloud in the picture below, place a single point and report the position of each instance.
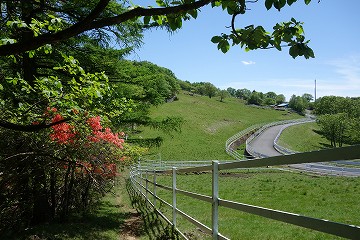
(348, 70)
(248, 62)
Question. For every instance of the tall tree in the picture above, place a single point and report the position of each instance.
(297, 103)
(280, 98)
(333, 128)
(223, 94)
(41, 77)
(308, 97)
(231, 91)
(339, 119)
(243, 93)
(210, 90)
(256, 98)
(271, 95)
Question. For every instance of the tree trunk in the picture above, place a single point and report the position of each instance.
(41, 208)
(28, 64)
(53, 192)
(65, 197)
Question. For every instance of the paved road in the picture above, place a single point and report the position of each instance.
(263, 144)
(323, 168)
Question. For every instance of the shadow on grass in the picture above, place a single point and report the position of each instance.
(153, 224)
(325, 146)
(102, 224)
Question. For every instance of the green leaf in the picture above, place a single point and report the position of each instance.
(294, 51)
(224, 46)
(308, 53)
(215, 4)
(1, 87)
(193, 13)
(278, 47)
(268, 4)
(147, 19)
(290, 2)
(172, 24)
(160, 3)
(277, 5)
(98, 94)
(307, 2)
(159, 20)
(232, 8)
(216, 39)
(178, 22)
(31, 53)
(282, 3)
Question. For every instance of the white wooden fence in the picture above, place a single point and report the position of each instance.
(144, 175)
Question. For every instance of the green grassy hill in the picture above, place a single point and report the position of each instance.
(306, 139)
(208, 124)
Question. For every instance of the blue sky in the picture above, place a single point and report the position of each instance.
(332, 26)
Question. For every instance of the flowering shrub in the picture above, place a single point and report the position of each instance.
(64, 133)
(106, 135)
(63, 169)
(92, 155)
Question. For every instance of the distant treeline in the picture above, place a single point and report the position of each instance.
(297, 103)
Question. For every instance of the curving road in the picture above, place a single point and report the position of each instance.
(264, 144)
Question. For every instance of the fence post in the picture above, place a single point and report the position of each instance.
(146, 186)
(154, 188)
(174, 195)
(215, 199)
(141, 179)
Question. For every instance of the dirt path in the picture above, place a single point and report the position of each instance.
(132, 227)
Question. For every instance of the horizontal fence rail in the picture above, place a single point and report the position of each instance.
(140, 174)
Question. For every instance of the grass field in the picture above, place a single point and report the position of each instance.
(302, 138)
(208, 124)
(332, 198)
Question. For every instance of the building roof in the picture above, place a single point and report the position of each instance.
(282, 105)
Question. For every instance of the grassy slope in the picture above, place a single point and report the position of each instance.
(208, 124)
(302, 138)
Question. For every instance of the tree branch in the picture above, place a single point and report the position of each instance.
(29, 128)
(75, 29)
(90, 23)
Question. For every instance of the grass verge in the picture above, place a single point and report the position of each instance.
(302, 138)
